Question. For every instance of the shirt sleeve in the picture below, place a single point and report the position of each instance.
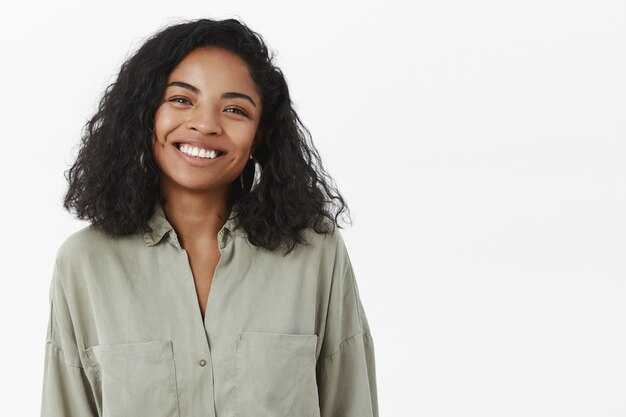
(66, 388)
(346, 372)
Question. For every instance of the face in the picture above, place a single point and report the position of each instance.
(210, 103)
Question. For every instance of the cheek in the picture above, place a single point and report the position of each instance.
(157, 143)
(158, 149)
(245, 142)
(163, 123)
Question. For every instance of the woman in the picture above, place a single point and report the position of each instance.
(212, 280)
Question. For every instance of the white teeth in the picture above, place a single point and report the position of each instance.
(197, 152)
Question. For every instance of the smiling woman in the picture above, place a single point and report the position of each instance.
(209, 105)
(177, 299)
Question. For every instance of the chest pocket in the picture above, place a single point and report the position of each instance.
(275, 375)
(136, 379)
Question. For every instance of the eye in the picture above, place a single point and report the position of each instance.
(180, 98)
(243, 113)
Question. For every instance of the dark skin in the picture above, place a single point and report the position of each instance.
(198, 113)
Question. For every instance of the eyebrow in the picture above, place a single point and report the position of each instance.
(196, 90)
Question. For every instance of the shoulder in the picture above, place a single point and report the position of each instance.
(326, 248)
(89, 244)
(81, 242)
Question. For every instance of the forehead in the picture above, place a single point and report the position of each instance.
(208, 66)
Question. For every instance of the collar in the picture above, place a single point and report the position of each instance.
(158, 226)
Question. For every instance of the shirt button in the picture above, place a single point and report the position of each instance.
(202, 362)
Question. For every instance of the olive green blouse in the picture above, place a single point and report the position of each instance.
(282, 335)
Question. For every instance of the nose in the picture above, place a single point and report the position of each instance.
(204, 121)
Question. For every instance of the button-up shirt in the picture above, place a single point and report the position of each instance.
(282, 335)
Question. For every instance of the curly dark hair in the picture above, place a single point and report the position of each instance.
(109, 186)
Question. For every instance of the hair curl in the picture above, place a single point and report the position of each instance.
(109, 186)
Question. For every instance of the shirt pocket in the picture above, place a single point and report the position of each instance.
(136, 379)
(275, 375)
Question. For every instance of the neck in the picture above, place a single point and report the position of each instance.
(196, 217)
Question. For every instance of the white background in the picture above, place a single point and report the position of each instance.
(480, 146)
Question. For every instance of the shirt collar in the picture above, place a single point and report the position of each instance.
(158, 226)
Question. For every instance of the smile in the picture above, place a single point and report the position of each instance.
(195, 152)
